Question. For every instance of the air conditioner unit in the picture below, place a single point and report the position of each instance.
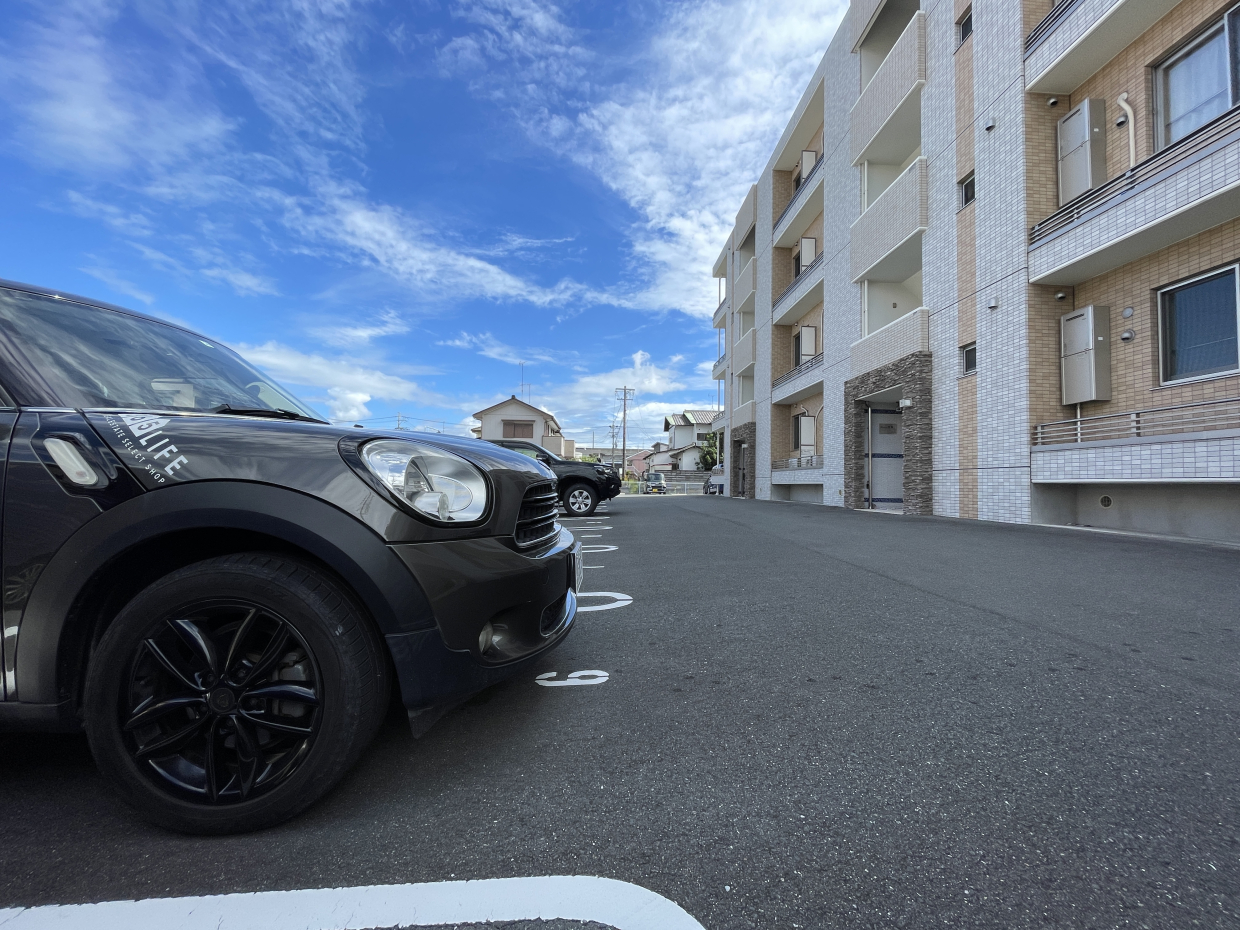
(808, 343)
(1082, 149)
(807, 253)
(1085, 354)
(808, 160)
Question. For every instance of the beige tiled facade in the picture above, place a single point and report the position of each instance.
(885, 208)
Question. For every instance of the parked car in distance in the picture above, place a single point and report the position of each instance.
(582, 485)
(655, 483)
(220, 587)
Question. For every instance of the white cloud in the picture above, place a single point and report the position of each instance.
(488, 346)
(349, 384)
(119, 284)
(388, 323)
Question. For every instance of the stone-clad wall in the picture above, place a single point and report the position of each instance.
(913, 372)
(744, 434)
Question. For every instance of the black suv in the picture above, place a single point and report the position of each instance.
(583, 485)
(220, 587)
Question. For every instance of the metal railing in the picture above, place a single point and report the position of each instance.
(803, 461)
(1157, 421)
(799, 275)
(799, 370)
(1059, 12)
(1197, 145)
(796, 194)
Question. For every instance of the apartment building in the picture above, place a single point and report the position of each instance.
(991, 270)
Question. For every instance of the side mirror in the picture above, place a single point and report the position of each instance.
(544, 458)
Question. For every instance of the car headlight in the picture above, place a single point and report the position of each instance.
(436, 483)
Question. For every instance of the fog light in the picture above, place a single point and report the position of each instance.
(485, 638)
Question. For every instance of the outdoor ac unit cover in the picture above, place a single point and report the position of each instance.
(1085, 354)
(1082, 149)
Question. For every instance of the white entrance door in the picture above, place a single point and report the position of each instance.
(884, 461)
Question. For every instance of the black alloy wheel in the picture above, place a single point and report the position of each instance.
(235, 692)
(221, 703)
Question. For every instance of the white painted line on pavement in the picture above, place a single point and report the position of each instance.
(597, 677)
(590, 536)
(620, 600)
(595, 547)
(592, 566)
(565, 897)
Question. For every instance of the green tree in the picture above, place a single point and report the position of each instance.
(708, 458)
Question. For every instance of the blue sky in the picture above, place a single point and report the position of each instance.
(389, 206)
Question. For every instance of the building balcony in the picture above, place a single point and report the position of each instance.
(743, 353)
(802, 381)
(1187, 443)
(720, 368)
(886, 238)
(719, 422)
(862, 14)
(909, 334)
(806, 203)
(742, 414)
(720, 318)
(1187, 188)
(1077, 37)
(743, 288)
(804, 461)
(804, 291)
(885, 122)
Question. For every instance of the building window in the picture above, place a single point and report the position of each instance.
(968, 358)
(968, 190)
(964, 28)
(1198, 328)
(1196, 83)
(517, 429)
(702, 437)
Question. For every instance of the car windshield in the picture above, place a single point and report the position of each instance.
(92, 357)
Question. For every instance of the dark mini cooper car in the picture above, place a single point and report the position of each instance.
(583, 485)
(219, 587)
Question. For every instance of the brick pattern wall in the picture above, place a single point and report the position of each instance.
(781, 272)
(966, 393)
(781, 351)
(947, 131)
(1170, 460)
(781, 193)
(1127, 71)
(899, 211)
(909, 334)
(1134, 365)
(913, 372)
(903, 69)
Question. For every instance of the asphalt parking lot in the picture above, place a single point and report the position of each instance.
(804, 717)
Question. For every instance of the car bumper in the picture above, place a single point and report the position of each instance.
(529, 601)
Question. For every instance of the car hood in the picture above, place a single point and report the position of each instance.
(163, 449)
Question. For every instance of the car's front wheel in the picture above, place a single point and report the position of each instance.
(580, 500)
(234, 693)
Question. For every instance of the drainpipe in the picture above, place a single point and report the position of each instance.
(1131, 120)
(869, 477)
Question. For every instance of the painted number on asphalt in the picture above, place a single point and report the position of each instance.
(586, 677)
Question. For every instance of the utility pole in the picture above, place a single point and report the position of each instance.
(624, 394)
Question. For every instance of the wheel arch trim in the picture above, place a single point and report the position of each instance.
(347, 546)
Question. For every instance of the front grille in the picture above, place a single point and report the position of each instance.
(536, 522)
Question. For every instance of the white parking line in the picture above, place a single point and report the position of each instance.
(597, 677)
(565, 897)
(618, 600)
(594, 547)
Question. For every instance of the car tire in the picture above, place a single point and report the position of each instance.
(233, 693)
(580, 500)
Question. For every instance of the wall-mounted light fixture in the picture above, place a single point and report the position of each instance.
(1127, 314)
(905, 403)
(992, 303)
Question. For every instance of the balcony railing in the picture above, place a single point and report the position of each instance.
(745, 280)
(909, 334)
(1137, 424)
(803, 461)
(798, 371)
(797, 278)
(796, 194)
(1199, 144)
(718, 422)
(885, 121)
(886, 244)
(1058, 13)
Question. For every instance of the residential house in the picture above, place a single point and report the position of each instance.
(515, 419)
